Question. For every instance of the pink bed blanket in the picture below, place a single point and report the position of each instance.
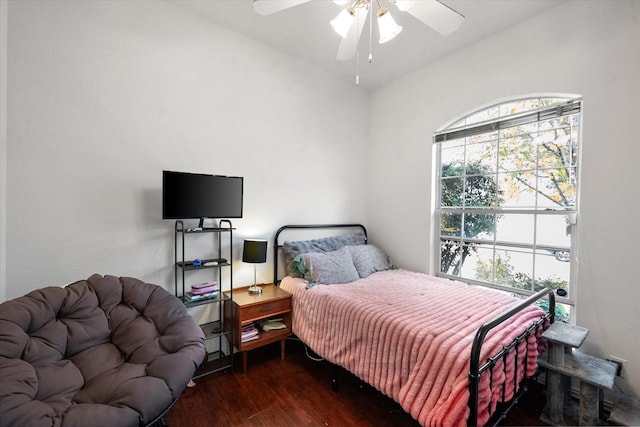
(409, 335)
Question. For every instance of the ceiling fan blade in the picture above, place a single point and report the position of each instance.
(267, 7)
(349, 45)
(438, 16)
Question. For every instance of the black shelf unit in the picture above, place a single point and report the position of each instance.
(218, 330)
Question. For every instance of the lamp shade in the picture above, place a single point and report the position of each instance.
(343, 21)
(404, 5)
(387, 26)
(254, 251)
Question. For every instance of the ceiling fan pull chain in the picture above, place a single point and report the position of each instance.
(358, 56)
(370, 35)
(357, 66)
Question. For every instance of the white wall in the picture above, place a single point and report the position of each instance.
(583, 47)
(102, 96)
(4, 8)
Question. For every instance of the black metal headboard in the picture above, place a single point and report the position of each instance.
(277, 246)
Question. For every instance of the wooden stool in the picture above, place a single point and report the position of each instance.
(563, 362)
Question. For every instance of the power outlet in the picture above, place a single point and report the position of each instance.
(620, 362)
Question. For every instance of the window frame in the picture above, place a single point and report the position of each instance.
(452, 130)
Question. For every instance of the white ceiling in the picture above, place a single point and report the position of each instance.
(303, 31)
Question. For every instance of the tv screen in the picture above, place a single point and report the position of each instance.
(191, 195)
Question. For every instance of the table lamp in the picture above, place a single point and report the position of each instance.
(255, 252)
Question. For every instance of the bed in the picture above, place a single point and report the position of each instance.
(449, 353)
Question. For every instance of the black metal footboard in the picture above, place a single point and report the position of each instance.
(476, 370)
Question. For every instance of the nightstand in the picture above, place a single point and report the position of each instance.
(272, 303)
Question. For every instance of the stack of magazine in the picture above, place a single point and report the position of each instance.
(249, 332)
(202, 291)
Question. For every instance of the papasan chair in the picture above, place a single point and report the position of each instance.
(105, 351)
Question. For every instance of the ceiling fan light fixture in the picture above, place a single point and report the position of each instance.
(387, 26)
(403, 5)
(350, 22)
(343, 21)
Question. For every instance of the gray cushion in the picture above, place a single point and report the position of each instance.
(368, 259)
(330, 267)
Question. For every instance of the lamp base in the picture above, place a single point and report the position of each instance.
(257, 290)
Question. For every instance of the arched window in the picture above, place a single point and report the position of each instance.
(507, 195)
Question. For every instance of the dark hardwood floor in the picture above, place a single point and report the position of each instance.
(297, 392)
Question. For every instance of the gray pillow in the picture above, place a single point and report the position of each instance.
(330, 267)
(368, 259)
(327, 244)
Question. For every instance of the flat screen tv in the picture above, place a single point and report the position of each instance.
(199, 196)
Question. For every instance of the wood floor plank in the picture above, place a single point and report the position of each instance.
(295, 392)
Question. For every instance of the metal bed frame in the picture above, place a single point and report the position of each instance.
(476, 367)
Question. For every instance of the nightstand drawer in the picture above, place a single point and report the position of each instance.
(266, 309)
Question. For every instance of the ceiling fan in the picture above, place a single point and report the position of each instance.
(351, 20)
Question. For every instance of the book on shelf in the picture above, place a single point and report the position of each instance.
(204, 288)
(255, 337)
(190, 297)
(272, 324)
(249, 332)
